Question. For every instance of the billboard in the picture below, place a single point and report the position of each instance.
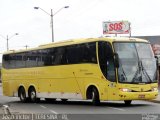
(116, 27)
(156, 49)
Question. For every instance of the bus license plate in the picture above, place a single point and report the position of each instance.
(141, 96)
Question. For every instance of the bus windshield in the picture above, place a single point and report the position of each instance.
(136, 63)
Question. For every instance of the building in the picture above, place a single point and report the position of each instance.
(0, 71)
(155, 42)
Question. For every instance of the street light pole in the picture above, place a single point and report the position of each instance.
(51, 15)
(52, 26)
(8, 38)
(7, 43)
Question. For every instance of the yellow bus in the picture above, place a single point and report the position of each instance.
(96, 69)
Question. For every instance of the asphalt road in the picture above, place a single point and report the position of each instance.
(84, 110)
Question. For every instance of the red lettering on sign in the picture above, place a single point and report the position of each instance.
(111, 27)
(115, 26)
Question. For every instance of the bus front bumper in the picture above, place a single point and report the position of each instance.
(138, 95)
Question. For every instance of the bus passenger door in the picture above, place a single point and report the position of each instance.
(111, 77)
(106, 63)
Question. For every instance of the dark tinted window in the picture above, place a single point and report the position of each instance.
(81, 53)
(31, 59)
(106, 60)
(46, 57)
(19, 62)
(14, 60)
(89, 52)
(73, 54)
(60, 57)
(6, 60)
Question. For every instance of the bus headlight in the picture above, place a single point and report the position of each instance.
(154, 89)
(125, 90)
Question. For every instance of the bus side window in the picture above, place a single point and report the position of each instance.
(12, 63)
(19, 60)
(60, 58)
(6, 61)
(72, 54)
(89, 52)
(47, 57)
(106, 60)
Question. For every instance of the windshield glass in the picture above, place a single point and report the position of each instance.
(137, 63)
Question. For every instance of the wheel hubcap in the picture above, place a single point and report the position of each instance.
(33, 94)
(22, 96)
(93, 95)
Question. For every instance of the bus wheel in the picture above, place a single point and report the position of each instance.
(127, 102)
(22, 94)
(64, 100)
(32, 95)
(95, 97)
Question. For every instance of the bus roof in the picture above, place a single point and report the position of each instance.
(78, 41)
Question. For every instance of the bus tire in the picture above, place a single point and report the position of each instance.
(22, 94)
(95, 97)
(127, 102)
(32, 95)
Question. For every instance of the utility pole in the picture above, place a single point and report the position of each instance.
(26, 46)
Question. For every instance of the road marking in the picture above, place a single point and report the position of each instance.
(52, 111)
(117, 108)
(43, 106)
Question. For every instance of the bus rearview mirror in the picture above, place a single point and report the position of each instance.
(116, 60)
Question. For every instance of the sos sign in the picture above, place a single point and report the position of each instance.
(116, 27)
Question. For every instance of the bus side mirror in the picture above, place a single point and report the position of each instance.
(116, 60)
(157, 61)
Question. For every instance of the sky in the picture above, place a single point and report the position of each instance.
(83, 19)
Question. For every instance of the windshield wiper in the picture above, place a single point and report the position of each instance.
(139, 72)
(123, 75)
(137, 77)
(145, 73)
